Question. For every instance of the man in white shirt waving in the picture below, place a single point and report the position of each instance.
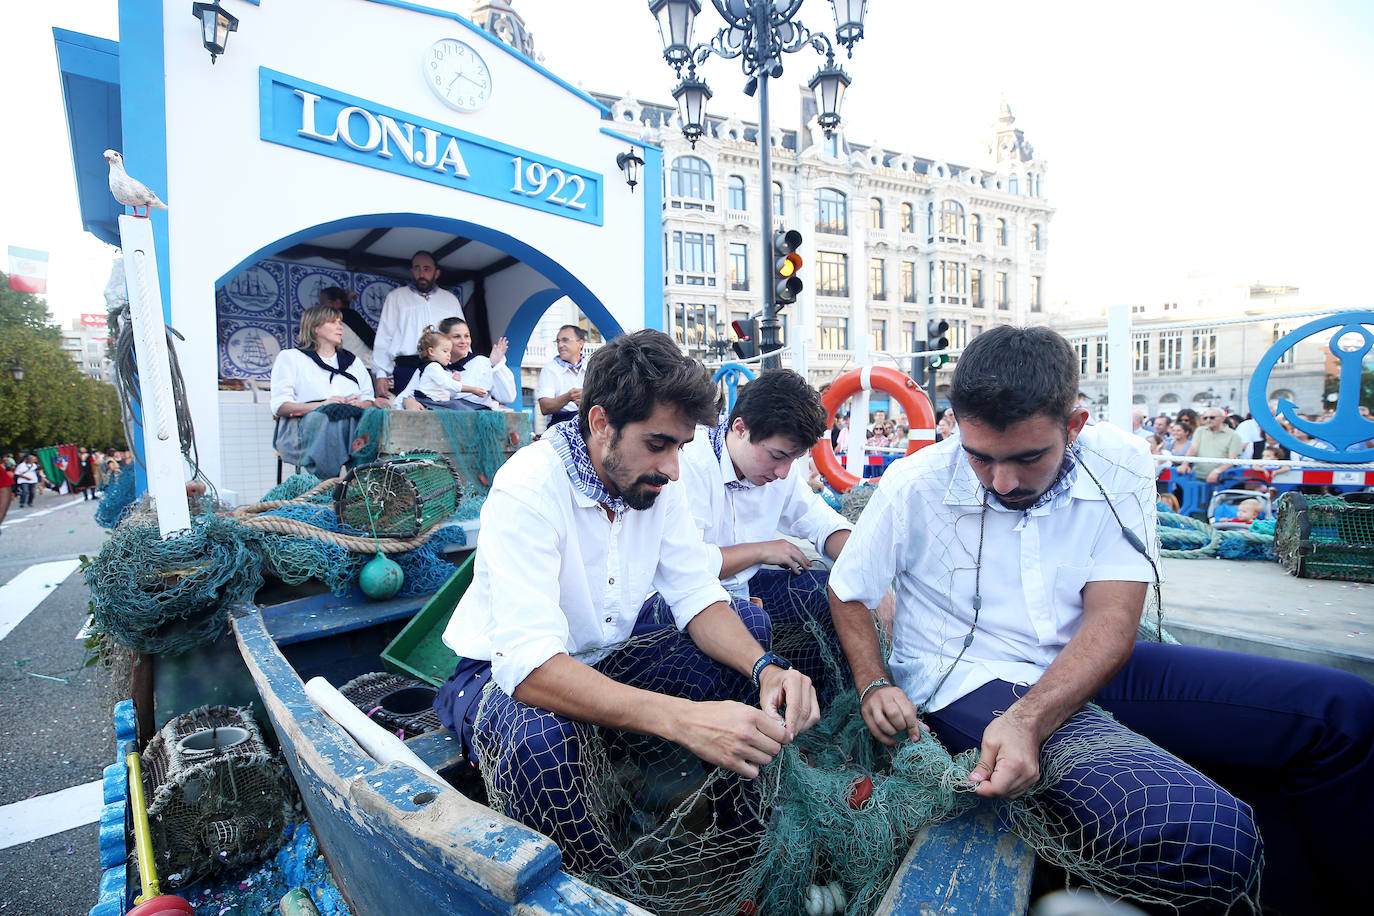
(1021, 565)
(577, 530)
(742, 495)
(406, 312)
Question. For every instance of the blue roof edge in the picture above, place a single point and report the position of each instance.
(88, 68)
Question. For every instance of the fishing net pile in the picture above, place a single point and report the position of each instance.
(117, 499)
(1181, 537)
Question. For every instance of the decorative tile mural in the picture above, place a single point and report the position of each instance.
(259, 310)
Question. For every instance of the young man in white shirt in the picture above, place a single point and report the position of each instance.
(741, 495)
(577, 529)
(1021, 568)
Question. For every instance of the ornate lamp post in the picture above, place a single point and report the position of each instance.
(758, 32)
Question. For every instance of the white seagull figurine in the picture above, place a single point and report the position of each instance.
(129, 191)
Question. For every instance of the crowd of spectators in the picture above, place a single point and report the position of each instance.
(23, 478)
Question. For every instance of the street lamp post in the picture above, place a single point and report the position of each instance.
(758, 32)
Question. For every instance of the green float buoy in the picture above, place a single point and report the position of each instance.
(381, 578)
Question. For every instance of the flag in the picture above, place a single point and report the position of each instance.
(28, 270)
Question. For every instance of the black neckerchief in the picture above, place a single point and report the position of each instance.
(458, 364)
(345, 358)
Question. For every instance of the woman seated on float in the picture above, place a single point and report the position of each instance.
(319, 391)
(458, 379)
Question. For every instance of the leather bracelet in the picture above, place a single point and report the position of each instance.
(880, 682)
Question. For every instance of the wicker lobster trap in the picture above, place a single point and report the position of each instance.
(1326, 537)
(399, 497)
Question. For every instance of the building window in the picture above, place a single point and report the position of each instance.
(999, 290)
(1035, 303)
(999, 232)
(695, 257)
(691, 177)
(953, 280)
(930, 220)
(908, 217)
(879, 329)
(976, 228)
(1036, 244)
(1013, 185)
(832, 212)
(1290, 356)
(832, 146)
(832, 273)
(694, 324)
(908, 281)
(833, 333)
(739, 265)
(975, 288)
(1204, 349)
(1140, 353)
(958, 333)
(585, 323)
(908, 337)
(875, 213)
(951, 221)
(1171, 351)
(738, 200)
(1101, 348)
(777, 199)
(1081, 348)
(877, 279)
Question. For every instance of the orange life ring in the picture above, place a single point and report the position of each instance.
(879, 378)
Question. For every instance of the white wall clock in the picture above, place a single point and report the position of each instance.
(457, 74)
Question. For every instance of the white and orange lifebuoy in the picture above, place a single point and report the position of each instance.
(889, 381)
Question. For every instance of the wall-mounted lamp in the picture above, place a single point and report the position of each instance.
(16, 370)
(215, 26)
(629, 163)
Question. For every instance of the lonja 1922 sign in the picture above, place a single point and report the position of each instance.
(316, 119)
(1347, 430)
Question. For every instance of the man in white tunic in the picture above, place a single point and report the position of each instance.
(406, 312)
(559, 389)
(577, 529)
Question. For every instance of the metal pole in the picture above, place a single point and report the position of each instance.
(768, 328)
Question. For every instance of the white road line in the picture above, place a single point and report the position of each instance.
(26, 591)
(42, 512)
(34, 818)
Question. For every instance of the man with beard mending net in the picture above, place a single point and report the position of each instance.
(1021, 564)
(580, 527)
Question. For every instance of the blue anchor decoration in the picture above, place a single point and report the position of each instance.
(1347, 428)
(732, 373)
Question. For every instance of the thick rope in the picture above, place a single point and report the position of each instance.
(246, 511)
(249, 515)
(1207, 538)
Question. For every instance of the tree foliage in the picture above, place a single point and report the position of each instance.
(25, 310)
(55, 403)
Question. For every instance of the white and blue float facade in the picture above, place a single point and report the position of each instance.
(319, 150)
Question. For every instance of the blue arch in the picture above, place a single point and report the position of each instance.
(565, 283)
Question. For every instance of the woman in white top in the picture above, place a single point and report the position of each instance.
(460, 380)
(319, 390)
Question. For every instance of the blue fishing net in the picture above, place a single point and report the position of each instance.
(117, 499)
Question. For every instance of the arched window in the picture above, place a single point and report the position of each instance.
(999, 231)
(737, 200)
(977, 228)
(1035, 237)
(777, 199)
(832, 212)
(908, 217)
(952, 221)
(691, 177)
(875, 213)
(1013, 186)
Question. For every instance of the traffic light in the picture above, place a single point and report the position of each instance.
(746, 337)
(936, 340)
(786, 267)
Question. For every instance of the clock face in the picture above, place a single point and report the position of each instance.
(457, 74)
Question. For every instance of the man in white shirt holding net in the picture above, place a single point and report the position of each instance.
(1021, 567)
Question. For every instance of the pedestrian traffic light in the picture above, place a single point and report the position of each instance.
(746, 343)
(936, 340)
(786, 267)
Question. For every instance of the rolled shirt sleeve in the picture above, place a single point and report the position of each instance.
(869, 562)
(806, 515)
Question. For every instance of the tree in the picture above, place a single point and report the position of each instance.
(25, 310)
(55, 403)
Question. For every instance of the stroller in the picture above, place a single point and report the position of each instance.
(1221, 509)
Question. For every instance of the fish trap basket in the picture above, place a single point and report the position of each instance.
(218, 797)
(398, 703)
(1326, 537)
(399, 497)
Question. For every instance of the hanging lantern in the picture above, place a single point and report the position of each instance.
(215, 26)
(691, 95)
(849, 22)
(829, 84)
(675, 27)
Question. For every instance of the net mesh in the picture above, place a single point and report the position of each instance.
(643, 818)
(398, 498)
(1327, 537)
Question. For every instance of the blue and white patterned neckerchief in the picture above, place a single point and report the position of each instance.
(566, 439)
(569, 366)
(717, 436)
(1068, 475)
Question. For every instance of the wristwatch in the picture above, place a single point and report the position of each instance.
(769, 658)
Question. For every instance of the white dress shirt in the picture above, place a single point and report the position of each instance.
(296, 378)
(406, 312)
(726, 516)
(554, 574)
(555, 379)
(921, 528)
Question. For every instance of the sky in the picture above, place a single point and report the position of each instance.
(1215, 138)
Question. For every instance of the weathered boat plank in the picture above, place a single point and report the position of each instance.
(965, 867)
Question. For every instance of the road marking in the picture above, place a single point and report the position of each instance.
(43, 815)
(26, 591)
(42, 512)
